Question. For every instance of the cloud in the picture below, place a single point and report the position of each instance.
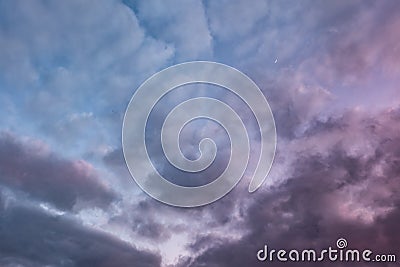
(185, 26)
(68, 70)
(57, 60)
(365, 45)
(343, 190)
(143, 223)
(295, 102)
(30, 167)
(31, 237)
(229, 21)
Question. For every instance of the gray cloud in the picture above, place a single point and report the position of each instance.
(59, 60)
(30, 237)
(366, 43)
(229, 21)
(45, 176)
(68, 70)
(344, 192)
(143, 222)
(185, 26)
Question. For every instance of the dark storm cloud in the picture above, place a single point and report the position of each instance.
(340, 193)
(45, 176)
(30, 237)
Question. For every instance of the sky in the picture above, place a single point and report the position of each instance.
(329, 69)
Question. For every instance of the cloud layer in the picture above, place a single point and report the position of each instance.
(44, 176)
(67, 72)
(349, 188)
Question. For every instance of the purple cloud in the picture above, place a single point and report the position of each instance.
(45, 176)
